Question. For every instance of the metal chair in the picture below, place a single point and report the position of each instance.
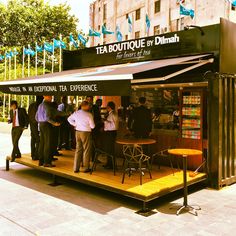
(134, 156)
(164, 154)
(101, 152)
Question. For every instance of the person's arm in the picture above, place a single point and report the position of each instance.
(110, 122)
(26, 118)
(149, 120)
(60, 107)
(36, 115)
(71, 119)
(91, 121)
(131, 120)
(51, 113)
(10, 120)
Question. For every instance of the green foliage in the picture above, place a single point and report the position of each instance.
(24, 22)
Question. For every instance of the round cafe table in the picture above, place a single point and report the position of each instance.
(127, 141)
(185, 153)
(133, 154)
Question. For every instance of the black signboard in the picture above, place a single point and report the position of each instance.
(93, 88)
(228, 47)
(175, 44)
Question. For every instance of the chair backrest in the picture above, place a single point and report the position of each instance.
(134, 153)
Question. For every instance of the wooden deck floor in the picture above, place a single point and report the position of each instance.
(163, 181)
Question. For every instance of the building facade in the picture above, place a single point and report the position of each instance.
(163, 14)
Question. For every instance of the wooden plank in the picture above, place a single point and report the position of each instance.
(163, 181)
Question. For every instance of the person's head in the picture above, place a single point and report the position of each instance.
(47, 98)
(39, 99)
(142, 100)
(111, 106)
(85, 106)
(89, 99)
(14, 105)
(99, 102)
(64, 99)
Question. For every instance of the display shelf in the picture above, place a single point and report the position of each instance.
(191, 120)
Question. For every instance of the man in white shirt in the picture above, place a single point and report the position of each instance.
(111, 125)
(83, 122)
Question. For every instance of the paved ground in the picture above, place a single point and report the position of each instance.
(29, 206)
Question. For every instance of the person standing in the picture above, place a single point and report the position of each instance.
(57, 117)
(20, 121)
(111, 125)
(83, 122)
(64, 131)
(71, 110)
(45, 117)
(141, 120)
(34, 129)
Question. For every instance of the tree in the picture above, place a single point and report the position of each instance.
(24, 22)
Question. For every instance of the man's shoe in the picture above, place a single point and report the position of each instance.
(76, 171)
(40, 164)
(54, 159)
(57, 154)
(12, 159)
(87, 170)
(19, 156)
(49, 165)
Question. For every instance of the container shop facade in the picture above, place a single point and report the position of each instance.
(188, 78)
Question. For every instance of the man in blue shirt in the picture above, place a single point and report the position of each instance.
(45, 117)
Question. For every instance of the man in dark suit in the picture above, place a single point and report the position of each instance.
(141, 120)
(34, 128)
(45, 116)
(20, 121)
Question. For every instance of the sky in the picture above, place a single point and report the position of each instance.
(80, 8)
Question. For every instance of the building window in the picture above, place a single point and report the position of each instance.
(138, 14)
(99, 9)
(127, 16)
(99, 27)
(126, 37)
(137, 34)
(104, 11)
(180, 24)
(157, 6)
(104, 35)
(233, 8)
(156, 30)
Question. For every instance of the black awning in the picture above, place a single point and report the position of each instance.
(107, 80)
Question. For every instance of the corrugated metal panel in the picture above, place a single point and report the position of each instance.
(222, 131)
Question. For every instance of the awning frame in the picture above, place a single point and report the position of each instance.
(164, 78)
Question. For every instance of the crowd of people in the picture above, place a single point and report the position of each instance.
(56, 126)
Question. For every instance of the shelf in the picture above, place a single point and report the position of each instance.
(190, 105)
(192, 116)
(191, 128)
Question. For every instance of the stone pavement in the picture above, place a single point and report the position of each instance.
(29, 206)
